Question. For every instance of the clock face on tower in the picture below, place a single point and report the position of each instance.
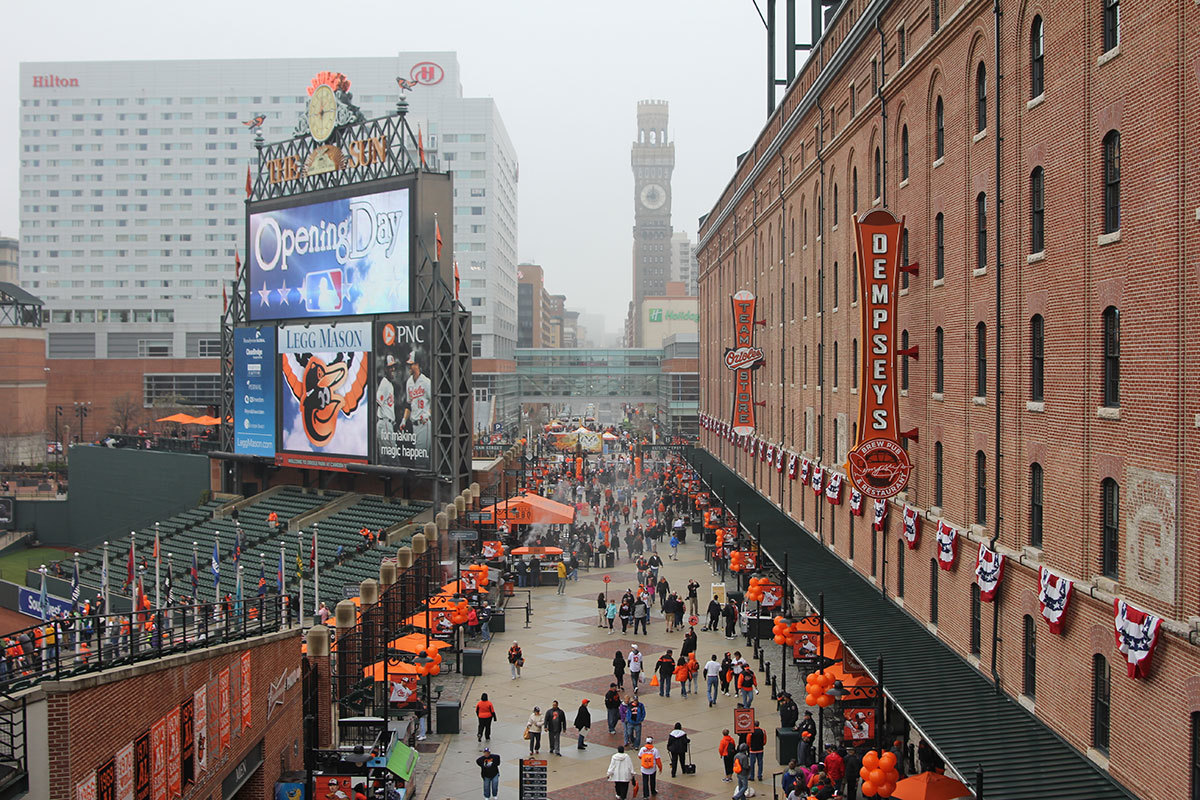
(653, 196)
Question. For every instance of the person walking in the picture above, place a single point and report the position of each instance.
(714, 614)
(665, 667)
(620, 772)
(489, 770)
(682, 674)
(677, 746)
(674, 547)
(633, 714)
(747, 686)
(625, 612)
(641, 613)
(561, 567)
(635, 667)
(693, 596)
(610, 615)
(758, 743)
(601, 608)
(618, 663)
(485, 712)
(516, 660)
(726, 749)
(612, 705)
(533, 730)
(741, 771)
(712, 673)
(583, 722)
(485, 619)
(726, 673)
(853, 762)
(730, 615)
(835, 767)
(689, 643)
(651, 765)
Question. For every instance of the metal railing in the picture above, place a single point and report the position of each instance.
(14, 767)
(65, 646)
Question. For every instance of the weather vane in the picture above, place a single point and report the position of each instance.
(255, 125)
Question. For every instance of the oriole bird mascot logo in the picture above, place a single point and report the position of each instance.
(325, 389)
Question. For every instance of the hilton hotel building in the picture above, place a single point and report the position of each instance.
(132, 208)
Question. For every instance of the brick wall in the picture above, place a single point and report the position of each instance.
(92, 717)
(765, 235)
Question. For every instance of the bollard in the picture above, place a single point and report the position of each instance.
(774, 689)
(368, 593)
(404, 558)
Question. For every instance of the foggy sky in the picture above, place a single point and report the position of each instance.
(566, 77)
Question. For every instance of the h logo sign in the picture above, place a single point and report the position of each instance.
(427, 73)
(656, 315)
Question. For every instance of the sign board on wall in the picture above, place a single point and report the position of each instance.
(254, 391)
(404, 400)
(742, 359)
(342, 257)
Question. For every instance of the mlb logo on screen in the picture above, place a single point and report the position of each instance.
(656, 315)
(323, 291)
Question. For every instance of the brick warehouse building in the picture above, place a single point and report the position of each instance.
(1098, 447)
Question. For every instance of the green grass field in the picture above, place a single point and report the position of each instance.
(14, 563)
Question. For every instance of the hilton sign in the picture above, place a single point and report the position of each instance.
(54, 82)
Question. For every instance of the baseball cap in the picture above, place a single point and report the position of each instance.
(412, 357)
(649, 738)
(585, 701)
(390, 361)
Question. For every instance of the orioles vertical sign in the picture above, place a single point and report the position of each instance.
(878, 466)
(743, 358)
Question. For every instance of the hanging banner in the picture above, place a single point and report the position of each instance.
(1054, 593)
(223, 719)
(858, 725)
(912, 527)
(1137, 632)
(743, 358)
(200, 726)
(989, 571)
(878, 466)
(856, 502)
(174, 775)
(125, 772)
(143, 767)
(245, 690)
(158, 751)
(833, 490)
(86, 788)
(880, 515)
(106, 781)
(947, 545)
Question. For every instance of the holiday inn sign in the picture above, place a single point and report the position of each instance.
(657, 315)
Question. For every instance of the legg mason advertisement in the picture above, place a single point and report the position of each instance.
(403, 394)
(324, 410)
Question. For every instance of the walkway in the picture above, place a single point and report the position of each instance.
(567, 658)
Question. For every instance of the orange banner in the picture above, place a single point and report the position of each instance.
(743, 358)
(878, 466)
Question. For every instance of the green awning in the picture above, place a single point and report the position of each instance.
(955, 705)
(402, 760)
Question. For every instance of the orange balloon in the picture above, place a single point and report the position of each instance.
(868, 789)
(824, 700)
(877, 777)
(887, 760)
(886, 790)
(871, 760)
(810, 700)
(780, 640)
(892, 775)
(864, 773)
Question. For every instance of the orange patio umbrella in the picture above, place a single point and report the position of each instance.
(531, 509)
(537, 551)
(381, 670)
(415, 643)
(930, 786)
(181, 418)
(206, 420)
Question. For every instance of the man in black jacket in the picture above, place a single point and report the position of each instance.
(665, 667)
(789, 712)
(853, 759)
(556, 721)
(489, 769)
(714, 614)
(583, 721)
(612, 704)
(677, 745)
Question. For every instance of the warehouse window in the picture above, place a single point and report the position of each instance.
(980, 98)
(981, 231)
(1112, 182)
(854, 364)
(835, 205)
(854, 190)
(939, 235)
(878, 174)
(937, 474)
(939, 358)
(1037, 357)
(900, 547)
(836, 284)
(1109, 527)
(904, 360)
(1112, 357)
(1112, 24)
(1037, 210)
(981, 360)
(1029, 658)
(935, 14)
(980, 487)
(1037, 53)
(976, 620)
(939, 126)
(933, 590)
(904, 258)
(1036, 479)
(1101, 701)
(904, 153)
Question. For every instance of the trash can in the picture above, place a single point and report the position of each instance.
(610, 560)
(472, 661)
(447, 714)
(496, 624)
(786, 741)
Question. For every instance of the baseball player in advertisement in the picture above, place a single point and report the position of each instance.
(403, 402)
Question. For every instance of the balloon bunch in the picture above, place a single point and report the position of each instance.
(481, 573)
(816, 684)
(879, 774)
(458, 614)
(782, 631)
(737, 561)
(757, 588)
(432, 667)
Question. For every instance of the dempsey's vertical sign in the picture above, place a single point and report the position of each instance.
(878, 466)
(742, 359)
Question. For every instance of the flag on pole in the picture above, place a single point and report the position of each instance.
(216, 571)
(74, 586)
(249, 185)
(312, 557)
(170, 582)
(279, 575)
(420, 144)
(104, 577)
(457, 279)
(299, 558)
(262, 578)
(195, 571)
(42, 603)
(129, 570)
(437, 237)
(237, 548)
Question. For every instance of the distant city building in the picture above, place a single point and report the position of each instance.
(683, 261)
(675, 312)
(132, 208)
(9, 261)
(533, 301)
(653, 160)
(554, 314)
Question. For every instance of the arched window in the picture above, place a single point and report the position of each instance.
(904, 258)
(937, 474)
(1112, 182)
(939, 360)
(1101, 701)
(981, 231)
(1109, 528)
(820, 365)
(1037, 53)
(980, 487)
(981, 360)
(900, 547)
(1037, 358)
(835, 379)
(854, 363)
(854, 190)
(1029, 658)
(835, 205)
(820, 291)
(904, 360)
(976, 620)
(1036, 477)
(939, 246)
(878, 174)
(939, 127)
(1112, 357)
(1112, 24)
(904, 153)
(933, 590)
(804, 225)
(854, 277)
(836, 284)
(980, 98)
(1037, 210)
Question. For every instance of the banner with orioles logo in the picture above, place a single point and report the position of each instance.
(877, 465)
(742, 359)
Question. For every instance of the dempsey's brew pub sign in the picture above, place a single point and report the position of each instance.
(742, 359)
(878, 465)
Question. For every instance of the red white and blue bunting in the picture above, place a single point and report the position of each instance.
(779, 453)
(912, 527)
(947, 545)
(880, 515)
(833, 491)
(989, 571)
(793, 467)
(1054, 593)
(856, 502)
(805, 470)
(818, 480)
(1137, 633)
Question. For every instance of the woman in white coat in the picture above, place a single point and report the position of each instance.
(620, 771)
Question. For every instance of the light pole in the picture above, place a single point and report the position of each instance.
(82, 410)
(58, 412)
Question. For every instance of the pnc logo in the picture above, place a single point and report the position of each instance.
(427, 73)
(389, 334)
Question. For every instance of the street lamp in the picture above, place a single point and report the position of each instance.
(82, 410)
(58, 412)
(422, 662)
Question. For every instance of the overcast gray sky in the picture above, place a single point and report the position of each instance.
(565, 75)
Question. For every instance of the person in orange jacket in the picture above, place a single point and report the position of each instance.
(682, 672)
(725, 749)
